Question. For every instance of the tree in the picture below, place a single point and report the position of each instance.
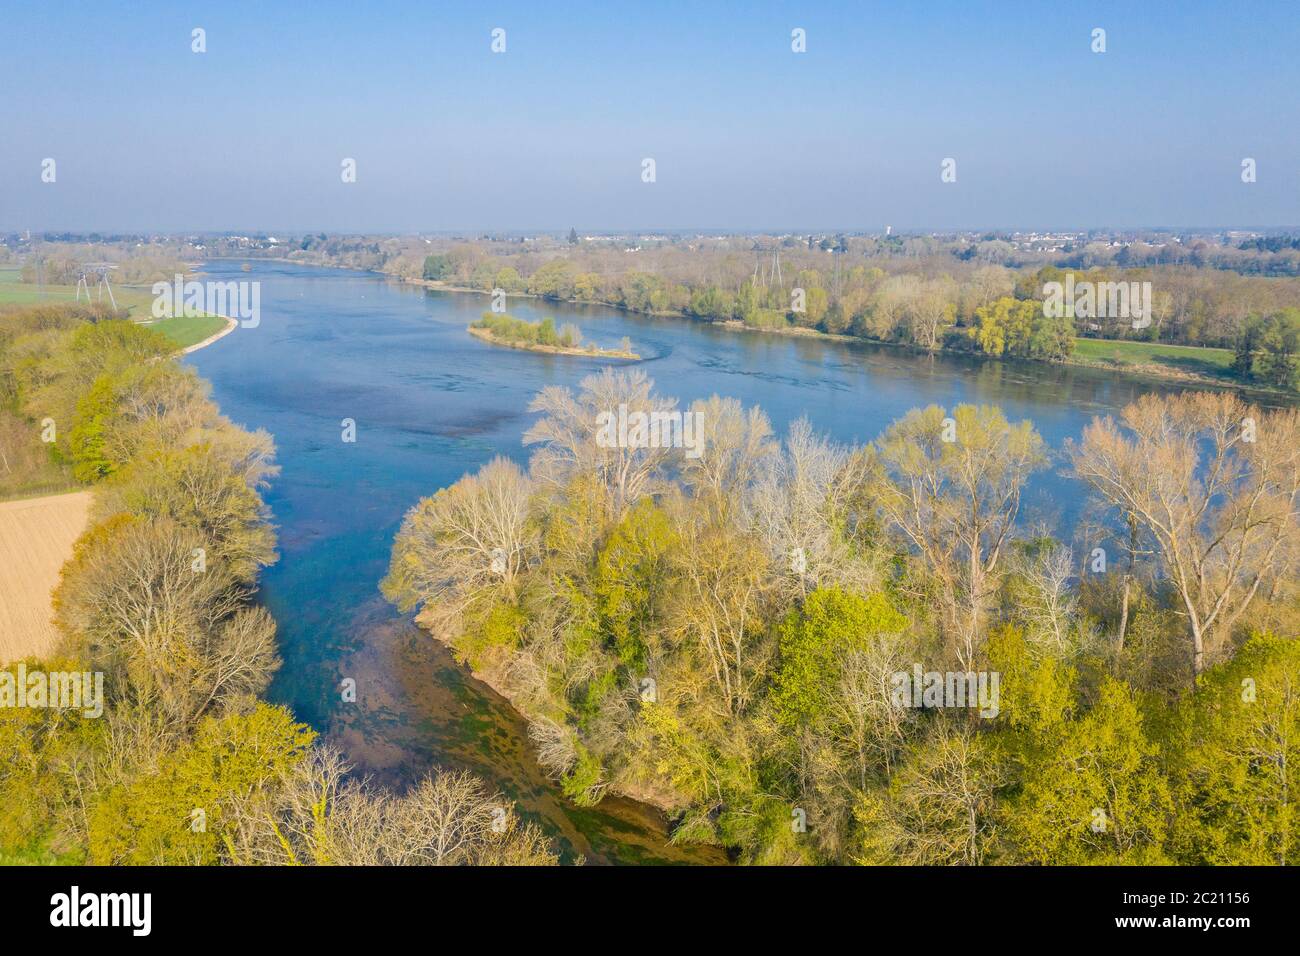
(320, 817)
(167, 630)
(739, 444)
(183, 812)
(554, 280)
(438, 267)
(1268, 349)
(931, 312)
(571, 443)
(720, 608)
(631, 581)
(508, 279)
(1091, 790)
(806, 508)
(813, 643)
(956, 501)
(458, 549)
(199, 490)
(1235, 759)
(1213, 484)
(938, 808)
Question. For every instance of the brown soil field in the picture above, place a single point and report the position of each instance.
(36, 537)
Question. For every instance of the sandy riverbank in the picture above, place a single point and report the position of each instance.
(231, 325)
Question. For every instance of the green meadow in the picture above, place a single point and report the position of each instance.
(137, 300)
(1216, 363)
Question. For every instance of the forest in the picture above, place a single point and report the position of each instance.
(725, 636)
(187, 764)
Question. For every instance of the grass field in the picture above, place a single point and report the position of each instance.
(183, 330)
(1216, 363)
(36, 537)
(187, 330)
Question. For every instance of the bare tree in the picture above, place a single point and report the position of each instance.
(939, 808)
(805, 508)
(318, 816)
(1049, 602)
(167, 633)
(932, 311)
(736, 446)
(464, 542)
(573, 431)
(1214, 484)
(864, 718)
(724, 588)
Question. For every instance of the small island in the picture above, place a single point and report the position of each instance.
(543, 336)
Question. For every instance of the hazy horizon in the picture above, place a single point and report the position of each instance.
(747, 136)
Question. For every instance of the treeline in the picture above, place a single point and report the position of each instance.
(724, 635)
(186, 763)
(882, 288)
(990, 310)
(1268, 350)
(61, 263)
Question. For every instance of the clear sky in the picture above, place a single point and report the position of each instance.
(745, 134)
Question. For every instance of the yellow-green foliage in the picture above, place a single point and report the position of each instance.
(813, 641)
(1236, 759)
(181, 813)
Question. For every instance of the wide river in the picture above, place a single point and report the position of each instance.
(430, 403)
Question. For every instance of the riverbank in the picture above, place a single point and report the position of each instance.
(435, 406)
(1189, 365)
(432, 405)
(230, 326)
(188, 332)
(486, 336)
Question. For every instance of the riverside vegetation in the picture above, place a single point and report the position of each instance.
(542, 336)
(1212, 299)
(186, 764)
(722, 635)
(1223, 310)
(718, 635)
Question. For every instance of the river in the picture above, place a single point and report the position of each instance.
(430, 403)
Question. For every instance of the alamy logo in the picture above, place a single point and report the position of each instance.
(103, 909)
(1098, 300)
(658, 429)
(234, 300)
(60, 690)
(934, 689)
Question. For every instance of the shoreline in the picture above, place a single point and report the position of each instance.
(1144, 371)
(231, 325)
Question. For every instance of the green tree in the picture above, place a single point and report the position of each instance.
(1235, 759)
(438, 267)
(812, 644)
(95, 413)
(631, 579)
(181, 813)
(1091, 789)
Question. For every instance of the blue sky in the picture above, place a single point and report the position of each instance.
(745, 134)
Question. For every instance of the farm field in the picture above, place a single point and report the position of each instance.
(36, 538)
